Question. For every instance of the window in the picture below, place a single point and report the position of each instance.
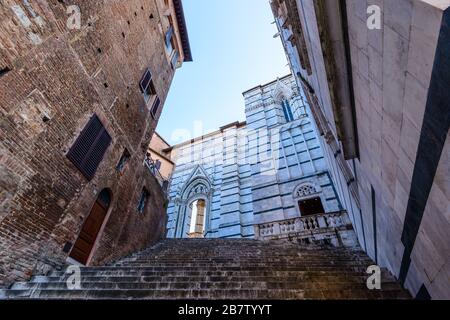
(287, 111)
(143, 200)
(123, 161)
(88, 150)
(174, 60)
(169, 40)
(157, 164)
(310, 207)
(147, 86)
(171, 44)
(155, 107)
(197, 221)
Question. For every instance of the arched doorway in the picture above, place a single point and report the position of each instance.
(197, 223)
(309, 199)
(91, 228)
(195, 196)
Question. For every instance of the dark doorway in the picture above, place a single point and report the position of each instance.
(91, 227)
(310, 207)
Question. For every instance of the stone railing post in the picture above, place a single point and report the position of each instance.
(257, 234)
(322, 221)
(276, 229)
(299, 225)
(345, 219)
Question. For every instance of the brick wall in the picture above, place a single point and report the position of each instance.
(58, 78)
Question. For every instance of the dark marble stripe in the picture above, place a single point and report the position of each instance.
(435, 127)
(423, 294)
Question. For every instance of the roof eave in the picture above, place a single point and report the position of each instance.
(183, 30)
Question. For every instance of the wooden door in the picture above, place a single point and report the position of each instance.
(85, 242)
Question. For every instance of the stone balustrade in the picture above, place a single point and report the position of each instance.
(151, 166)
(318, 226)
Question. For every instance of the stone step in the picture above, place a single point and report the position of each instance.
(231, 264)
(217, 272)
(220, 269)
(224, 258)
(213, 285)
(155, 294)
(231, 294)
(232, 267)
(215, 278)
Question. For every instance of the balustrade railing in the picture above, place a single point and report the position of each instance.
(305, 224)
(151, 166)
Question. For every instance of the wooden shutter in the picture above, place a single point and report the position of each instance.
(88, 150)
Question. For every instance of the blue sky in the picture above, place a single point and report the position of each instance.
(233, 50)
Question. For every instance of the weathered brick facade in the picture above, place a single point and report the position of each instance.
(52, 81)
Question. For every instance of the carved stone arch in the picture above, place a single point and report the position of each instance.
(309, 190)
(306, 190)
(281, 91)
(197, 187)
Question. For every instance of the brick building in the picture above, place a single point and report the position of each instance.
(79, 105)
(380, 99)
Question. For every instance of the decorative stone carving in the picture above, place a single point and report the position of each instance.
(332, 226)
(305, 190)
(281, 92)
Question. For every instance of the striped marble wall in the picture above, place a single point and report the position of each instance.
(251, 172)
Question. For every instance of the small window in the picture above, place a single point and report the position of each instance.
(147, 86)
(143, 200)
(169, 40)
(123, 161)
(155, 107)
(157, 164)
(88, 150)
(287, 111)
(174, 60)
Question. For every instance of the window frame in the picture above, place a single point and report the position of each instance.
(147, 87)
(155, 107)
(125, 157)
(143, 200)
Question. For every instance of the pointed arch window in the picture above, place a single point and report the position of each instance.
(287, 111)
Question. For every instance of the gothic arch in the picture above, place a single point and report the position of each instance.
(281, 92)
(308, 190)
(197, 187)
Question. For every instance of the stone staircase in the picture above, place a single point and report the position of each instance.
(220, 269)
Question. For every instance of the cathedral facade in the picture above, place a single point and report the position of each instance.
(247, 175)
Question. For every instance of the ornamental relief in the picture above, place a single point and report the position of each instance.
(305, 190)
